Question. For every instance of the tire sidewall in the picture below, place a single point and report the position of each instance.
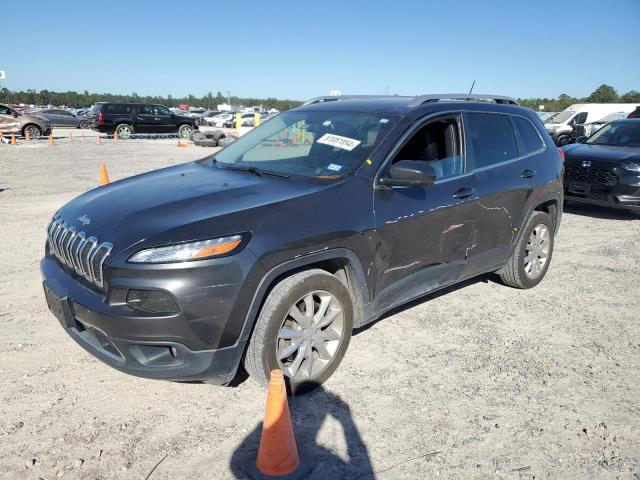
(182, 128)
(535, 220)
(121, 125)
(313, 282)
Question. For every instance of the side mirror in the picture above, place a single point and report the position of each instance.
(582, 139)
(410, 173)
(15, 114)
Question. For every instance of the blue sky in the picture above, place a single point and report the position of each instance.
(302, 49)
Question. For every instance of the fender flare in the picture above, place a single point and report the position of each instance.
(547, 197)
(299, 263)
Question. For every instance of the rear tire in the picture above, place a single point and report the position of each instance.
(531, 258)
(83, 124)
(304, 328)
(124, 130)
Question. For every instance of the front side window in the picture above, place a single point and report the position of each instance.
(438, 143)
(529, 136)
(5, 110)
(312, 143)
(492, 138)
(617, 135)
(161, 111)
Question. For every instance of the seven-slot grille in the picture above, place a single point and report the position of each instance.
(594, 176)
(78, 252)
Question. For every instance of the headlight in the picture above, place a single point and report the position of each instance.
(185, 252)
(632, 167)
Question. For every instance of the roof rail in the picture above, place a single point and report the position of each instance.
(419, 100)
(335, 98)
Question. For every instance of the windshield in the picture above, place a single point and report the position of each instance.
(313, 144)
(617, 135)
(562, 117)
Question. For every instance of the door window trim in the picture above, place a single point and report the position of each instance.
(408, 134)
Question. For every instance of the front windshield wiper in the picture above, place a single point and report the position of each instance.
(252, 170)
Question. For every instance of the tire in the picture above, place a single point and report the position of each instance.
(198, 135)
(83, 124)
(563, 140)
(185, 130)
(268, 344)
(124, 130)
(205, 142)
(518, 272)
(34, 131)
(217, 135)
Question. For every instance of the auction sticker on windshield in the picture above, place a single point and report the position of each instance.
(338, 141)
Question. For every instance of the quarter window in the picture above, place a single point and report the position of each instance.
(528, 134)
(492, 138)
(438, 143)
(117, 109)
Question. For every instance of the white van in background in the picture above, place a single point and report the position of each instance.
(562, 124)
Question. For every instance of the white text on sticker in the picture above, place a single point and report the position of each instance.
(334, 167)
(337, 141)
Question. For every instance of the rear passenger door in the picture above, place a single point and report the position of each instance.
(504, 180)
(146, 120)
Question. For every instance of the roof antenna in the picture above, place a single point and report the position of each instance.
(472, 85)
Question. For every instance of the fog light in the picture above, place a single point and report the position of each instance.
(151, 301)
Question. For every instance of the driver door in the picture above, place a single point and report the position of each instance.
(424, 232)
(9, 120)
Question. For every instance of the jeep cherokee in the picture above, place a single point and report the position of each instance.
(272, 250)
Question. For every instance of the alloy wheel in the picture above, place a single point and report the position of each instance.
(310, 336)
(537, 251)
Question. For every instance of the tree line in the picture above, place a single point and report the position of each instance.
(603, 94)
(85, 99)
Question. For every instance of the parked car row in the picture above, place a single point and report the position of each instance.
(562, 126)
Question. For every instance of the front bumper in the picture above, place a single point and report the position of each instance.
(199, 343)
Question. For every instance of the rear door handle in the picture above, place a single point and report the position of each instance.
(528, 174)
(464, 192)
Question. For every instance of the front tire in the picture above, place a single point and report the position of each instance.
(83, 124)
(33, 131)
(530, 260)
(304, 328)
(185, 131)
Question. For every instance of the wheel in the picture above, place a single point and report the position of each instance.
(33, 131)
(304, 328)
(124, 130)
(184, 131)
(562, 141)
(83, 124)
(530, 260)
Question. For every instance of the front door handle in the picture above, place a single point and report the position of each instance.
(463, 193)
(528, 174)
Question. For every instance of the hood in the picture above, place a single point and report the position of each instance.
(187, 202)
(582, 151)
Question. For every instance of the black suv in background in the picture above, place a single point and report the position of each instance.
(320, 220)
(126, 119)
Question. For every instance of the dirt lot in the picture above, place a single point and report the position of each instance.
(483, 381)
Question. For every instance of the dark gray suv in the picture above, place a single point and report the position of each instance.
(271, 251)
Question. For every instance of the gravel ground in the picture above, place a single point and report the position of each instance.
(482, 381)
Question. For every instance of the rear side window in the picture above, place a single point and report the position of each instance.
(117, 109)
(529, 136)
(492, 138)
(145, 110)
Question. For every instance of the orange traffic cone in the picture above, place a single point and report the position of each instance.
(278, 452)
(98, 140)
(180, 144)
(83, 136)
(115, 136)
(70, 137)
(13, 139)
(27, 136)
(104, 176)
(51, 140)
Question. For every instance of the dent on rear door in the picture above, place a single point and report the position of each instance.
(9, 123)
